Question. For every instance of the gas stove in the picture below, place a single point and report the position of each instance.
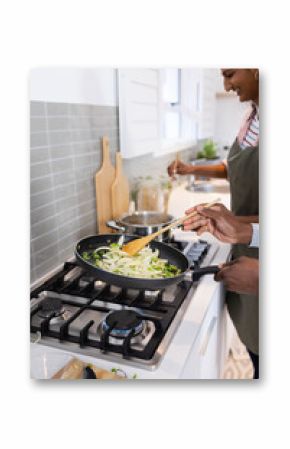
(74, 311)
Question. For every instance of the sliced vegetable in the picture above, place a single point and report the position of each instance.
(145, 264)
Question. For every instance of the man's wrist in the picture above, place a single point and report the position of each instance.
(244, 234)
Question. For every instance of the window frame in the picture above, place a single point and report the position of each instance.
(188, 113)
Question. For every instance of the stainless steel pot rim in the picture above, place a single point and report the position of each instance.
(162, 221)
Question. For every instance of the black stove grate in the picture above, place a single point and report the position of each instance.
(84, 292)
(82, 288)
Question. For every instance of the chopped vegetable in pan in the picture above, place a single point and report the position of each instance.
(145, 264)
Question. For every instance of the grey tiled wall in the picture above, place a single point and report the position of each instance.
(153, 166)
(65, 154)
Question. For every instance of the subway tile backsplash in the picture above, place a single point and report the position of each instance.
(65, 153)
(65, 141)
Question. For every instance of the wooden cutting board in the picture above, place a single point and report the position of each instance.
(74, 370)
(103, 180)
(120, 190)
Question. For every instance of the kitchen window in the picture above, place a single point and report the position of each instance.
(164, 110)
(179, 108)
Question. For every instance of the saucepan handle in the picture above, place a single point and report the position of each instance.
(198, 272)
(114, 225)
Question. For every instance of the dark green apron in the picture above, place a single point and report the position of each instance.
(243, 173)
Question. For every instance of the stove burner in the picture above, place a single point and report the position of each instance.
(136, 325)
(49, 306)
(124, 321)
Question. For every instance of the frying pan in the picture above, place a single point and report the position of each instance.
(174, 257)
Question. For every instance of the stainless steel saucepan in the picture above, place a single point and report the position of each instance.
(142, 223)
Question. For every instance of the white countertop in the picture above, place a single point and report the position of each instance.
(182, 199)
(43, 358)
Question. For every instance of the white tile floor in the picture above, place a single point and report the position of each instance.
(238, 364)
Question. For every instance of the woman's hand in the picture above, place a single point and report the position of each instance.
(179, 168)
(220, 222)
(240, 275)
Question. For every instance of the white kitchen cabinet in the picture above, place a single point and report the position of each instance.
(204, 360)
(229, 335)
(139, 103)
(206, 121)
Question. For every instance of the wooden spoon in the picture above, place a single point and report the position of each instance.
(135, 246)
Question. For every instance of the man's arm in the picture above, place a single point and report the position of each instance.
(248, 218)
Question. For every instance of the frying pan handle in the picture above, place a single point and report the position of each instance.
(198, 272)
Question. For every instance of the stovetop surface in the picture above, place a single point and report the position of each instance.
(71, 309)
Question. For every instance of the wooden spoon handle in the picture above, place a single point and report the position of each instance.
(182, 219)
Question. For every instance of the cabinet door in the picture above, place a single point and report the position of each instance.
(209, 350)
(204, 359)
(207, 103)
(139, 100)
(227, 334)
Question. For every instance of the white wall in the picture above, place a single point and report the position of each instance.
(229, 113)
(74, 85)
(228, 117)
(98, 86)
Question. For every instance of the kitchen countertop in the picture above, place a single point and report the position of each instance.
(181, 198)
(172, 365)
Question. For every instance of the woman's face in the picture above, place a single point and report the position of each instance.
(245, 82)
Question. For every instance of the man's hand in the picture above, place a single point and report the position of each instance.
(179, 168)
(220, 222)
(241, 275)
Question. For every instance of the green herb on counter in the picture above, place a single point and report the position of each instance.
(208, 151)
